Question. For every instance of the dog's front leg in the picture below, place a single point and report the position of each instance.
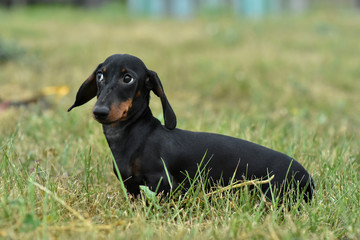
(161, 182)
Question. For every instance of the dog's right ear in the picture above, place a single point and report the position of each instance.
(87, 90)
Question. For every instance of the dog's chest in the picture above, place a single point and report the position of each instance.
(128, 162)
(127, 150)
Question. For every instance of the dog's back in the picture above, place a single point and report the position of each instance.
(224, 159)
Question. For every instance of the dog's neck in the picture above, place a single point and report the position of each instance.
(126, 138)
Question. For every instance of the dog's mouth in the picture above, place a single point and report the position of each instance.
(113, 115)
(106, 121)
(110, 120)
(116, 113)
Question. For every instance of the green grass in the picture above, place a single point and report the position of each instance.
(288, 83)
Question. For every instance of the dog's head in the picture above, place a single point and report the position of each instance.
(122, 85)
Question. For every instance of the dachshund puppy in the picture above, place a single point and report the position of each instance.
(162, 156)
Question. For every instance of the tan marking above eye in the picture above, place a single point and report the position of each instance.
(123, 70)
(104, 70)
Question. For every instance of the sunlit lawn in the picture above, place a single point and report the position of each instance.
(290, 83)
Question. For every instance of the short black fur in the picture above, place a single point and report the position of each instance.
(141, 145)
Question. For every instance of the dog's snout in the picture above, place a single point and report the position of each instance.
(101, 112)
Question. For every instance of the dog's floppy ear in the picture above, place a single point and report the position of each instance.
(87, 90)
(153, 83)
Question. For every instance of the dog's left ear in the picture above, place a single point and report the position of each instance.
(153, 83)
(87, 90)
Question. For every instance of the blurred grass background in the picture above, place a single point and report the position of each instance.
(289, 82)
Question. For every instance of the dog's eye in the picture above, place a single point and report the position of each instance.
(100, 76)
(128, 79)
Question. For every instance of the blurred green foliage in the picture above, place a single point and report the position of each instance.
(10, 51)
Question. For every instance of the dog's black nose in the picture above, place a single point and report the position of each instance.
(101, 112)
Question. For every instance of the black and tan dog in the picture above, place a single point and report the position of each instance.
(142, 146)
